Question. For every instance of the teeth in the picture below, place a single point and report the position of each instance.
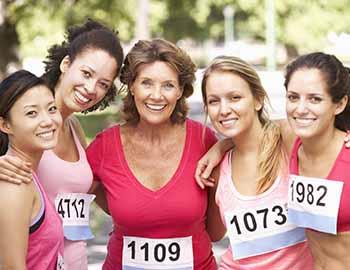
(46, 135)
(304, 121)
(155, 107)
(228, 122)
(81, 97)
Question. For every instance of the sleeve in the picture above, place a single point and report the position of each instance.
(94, 154)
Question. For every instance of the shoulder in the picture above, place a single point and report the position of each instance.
(16, 196)
(74, 122)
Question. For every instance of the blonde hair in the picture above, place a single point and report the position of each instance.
(272, 158)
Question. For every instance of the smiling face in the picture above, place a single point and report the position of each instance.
(309, 106)
(85, 81)
(156, 90)
(231, 106)
(33, 121)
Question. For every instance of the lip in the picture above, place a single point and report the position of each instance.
(81, 98)
(304, 121)
(228, 122)
(155, 107)
(47, 135)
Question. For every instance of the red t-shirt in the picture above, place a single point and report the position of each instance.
(178, 209)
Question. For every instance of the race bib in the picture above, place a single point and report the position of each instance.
(147, 253)
(314, 203)
(74, 209)
(259, 230)
(60, 262)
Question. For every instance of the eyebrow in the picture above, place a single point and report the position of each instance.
(34, 105)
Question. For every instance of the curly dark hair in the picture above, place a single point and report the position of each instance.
(90, 35)
(150, 51)
(335, 75)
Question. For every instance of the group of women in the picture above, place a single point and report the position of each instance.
(280, 190)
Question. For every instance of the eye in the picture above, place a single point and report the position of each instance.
(31, 113)
(236, 98)
(86, 74)
(292, 97)
(146, 83)
(105, 86)
(53, 109)
(315, 99)
(213, 101)
(169, 86)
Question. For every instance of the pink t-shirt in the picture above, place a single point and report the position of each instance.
(45, 245)
(339, 172)
(260, 236)
(176, 210)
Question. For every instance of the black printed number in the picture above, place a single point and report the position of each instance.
(66, 206)
(250, 221)
(308, 194)
(160, 251)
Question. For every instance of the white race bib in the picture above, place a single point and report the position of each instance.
(151, 253)
(74, 209)
(259, 230)
(314, 203)
(60, 262)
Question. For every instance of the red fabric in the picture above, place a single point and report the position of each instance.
(339, 172)
(176, 210)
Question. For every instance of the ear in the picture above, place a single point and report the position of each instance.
(180, 93)
(5, 126)
(258, 104)
(340, 106)
(65, 63)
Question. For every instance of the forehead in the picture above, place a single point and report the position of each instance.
(307, 80)
(35, 96)
(224, 81)
(157, 70)
(99, 60)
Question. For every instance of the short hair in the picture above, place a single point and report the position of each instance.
(150, 51)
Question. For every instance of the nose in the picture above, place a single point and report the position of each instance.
(156, 92)
(90, 86)
(224, 108)
(301, 106)
(46, 119)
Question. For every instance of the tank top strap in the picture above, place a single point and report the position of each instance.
(77, 142)
(293, 161)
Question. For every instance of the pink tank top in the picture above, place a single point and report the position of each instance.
(339, 172)
(45, 245)
(60, 176)
(260, 236)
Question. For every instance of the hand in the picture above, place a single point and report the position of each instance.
(15, 170)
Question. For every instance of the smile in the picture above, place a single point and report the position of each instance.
(155, 107)
(46, 134)
(304, 120)
(228, 122)
(81, 98)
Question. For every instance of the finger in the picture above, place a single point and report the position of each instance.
(13, 175)
(200, 184)
(207, 171)
(18, 163)
(208, 183)
(8, 179)
(200, 168)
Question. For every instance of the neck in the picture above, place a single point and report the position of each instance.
(64, 111)
(249, 141)
(155, 133)
(33, 157)
(320, 145)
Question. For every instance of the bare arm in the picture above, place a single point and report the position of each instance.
(209, 161)
(215, 228)
(16, 203)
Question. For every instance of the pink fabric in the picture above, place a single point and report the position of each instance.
(46, 243)
(297, 257)
(176, 210)
(60, 176)
(339, 172)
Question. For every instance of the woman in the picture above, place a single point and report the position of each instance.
(81, 71)
(252, 185)
(30, 229)
(147, 166)
(318, 110)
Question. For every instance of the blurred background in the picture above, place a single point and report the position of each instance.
(266, 33)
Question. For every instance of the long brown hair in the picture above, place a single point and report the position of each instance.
(272, 156)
